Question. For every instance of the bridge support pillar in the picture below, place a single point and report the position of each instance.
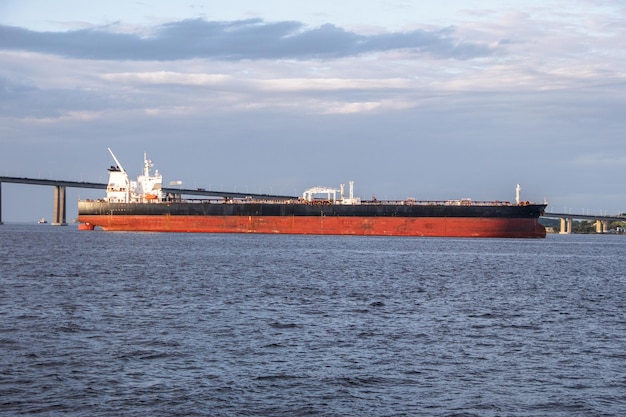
(59, 206)
(566, 226)
(602, 226)
(0, 203)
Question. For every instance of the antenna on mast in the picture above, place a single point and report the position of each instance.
(147, 164)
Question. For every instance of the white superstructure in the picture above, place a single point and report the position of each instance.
(147, 188)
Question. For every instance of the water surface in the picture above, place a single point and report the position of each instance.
(108, 324)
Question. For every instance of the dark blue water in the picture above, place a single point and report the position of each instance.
(137, 324)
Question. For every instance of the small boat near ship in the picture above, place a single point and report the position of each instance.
(141, 205)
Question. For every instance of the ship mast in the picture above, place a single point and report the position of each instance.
(147, 164)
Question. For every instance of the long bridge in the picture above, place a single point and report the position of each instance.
(59, 205)
(567, 219)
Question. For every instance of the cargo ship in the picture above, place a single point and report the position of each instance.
(145, 205)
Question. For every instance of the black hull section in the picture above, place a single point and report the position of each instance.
(308, 210)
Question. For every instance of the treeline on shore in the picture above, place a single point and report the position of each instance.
(582, 226)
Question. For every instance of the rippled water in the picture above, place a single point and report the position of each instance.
(109, 324)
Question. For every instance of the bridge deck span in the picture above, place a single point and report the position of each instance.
(602, 221)
(60, 199)
(61, 185)
(584, 216)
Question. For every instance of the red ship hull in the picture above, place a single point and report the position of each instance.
(321, 225)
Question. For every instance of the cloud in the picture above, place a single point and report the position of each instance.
(9, 89)
(168, 77)
(271, 85)
(70, 116)
(237, 40)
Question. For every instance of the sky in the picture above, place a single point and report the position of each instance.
(428, 100)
